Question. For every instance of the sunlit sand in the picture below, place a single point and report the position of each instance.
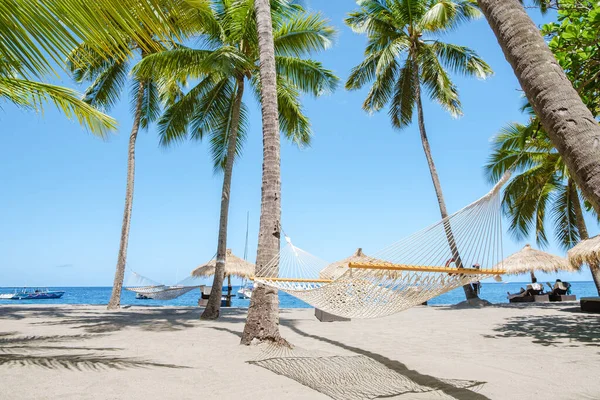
(499, 352)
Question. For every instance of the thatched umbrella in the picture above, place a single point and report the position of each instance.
(339, 268)
(234, 266)
(531, 260)
(586, 252)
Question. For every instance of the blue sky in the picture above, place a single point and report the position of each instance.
(360, 184)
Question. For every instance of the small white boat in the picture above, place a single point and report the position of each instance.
(244, 293)
(6, 296)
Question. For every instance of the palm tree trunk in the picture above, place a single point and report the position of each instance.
(582, 228)
(263, 313)
(570, 125)
(469, 292)
(115, 298)
(213, 306)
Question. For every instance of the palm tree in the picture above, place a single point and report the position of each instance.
(542, 192)
(404, 55)
(35, 35)
(568, 122)
(228, 63)
(108, 77)
(263, 315)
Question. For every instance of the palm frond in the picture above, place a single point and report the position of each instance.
(411, 12)
(564, 216)
(150, 102)
(221, 134)
(208, 115)
(34, 95)
(403, 99)
(173, 123)
(293, 123)
(437, 83)
(363, 73)
(186, 63)
(373, 17)
(461, 60)
(446, 15)
(36, 35)
(105, 90)
(511, 150)
(303, 34)
(525, 200)
(382, 88)
(307, 75)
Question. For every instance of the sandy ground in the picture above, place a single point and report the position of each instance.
(499, 352)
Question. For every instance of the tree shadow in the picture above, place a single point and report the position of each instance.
(568, 330)
(446, 386)
(32, 351)
(99, 320)
(322, 373)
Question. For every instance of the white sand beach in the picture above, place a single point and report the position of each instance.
(498, 352)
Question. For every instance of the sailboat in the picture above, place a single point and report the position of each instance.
(245, 291)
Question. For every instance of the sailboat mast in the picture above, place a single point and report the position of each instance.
(246, 245)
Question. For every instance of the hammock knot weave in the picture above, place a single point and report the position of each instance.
(458, 250)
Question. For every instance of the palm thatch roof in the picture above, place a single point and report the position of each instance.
(529, 260)
(234, 266)
(586, 252)
(339, 268)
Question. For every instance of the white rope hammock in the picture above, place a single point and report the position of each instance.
(418, 268)
(157, 291)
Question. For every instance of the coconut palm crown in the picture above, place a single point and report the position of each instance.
(404, 50)
(541, 190)
(228, 52)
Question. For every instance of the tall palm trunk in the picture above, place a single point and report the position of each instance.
(213, 306)
(582, 228)
(115, 298)
(263, 314)
(469, 292)
(570, 125)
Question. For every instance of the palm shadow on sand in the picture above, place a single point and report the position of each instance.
(570, 329)
(55, 352)
(363, 375)
(99, 320)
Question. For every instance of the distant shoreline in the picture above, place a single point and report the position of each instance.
(110, 286)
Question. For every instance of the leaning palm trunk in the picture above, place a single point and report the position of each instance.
(469, 292)
(582, 228)
(214, 301)
(569, 124)
(115, 298)
(263, 314)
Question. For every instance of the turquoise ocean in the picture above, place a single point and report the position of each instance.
(493, 292)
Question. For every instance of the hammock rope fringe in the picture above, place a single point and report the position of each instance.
(406, 273)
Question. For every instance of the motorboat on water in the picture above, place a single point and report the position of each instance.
(245, 292)
(35, 294)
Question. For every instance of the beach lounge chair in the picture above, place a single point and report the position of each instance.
(536, 298)
(590, 304)
(561, 291)
(534, 293)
